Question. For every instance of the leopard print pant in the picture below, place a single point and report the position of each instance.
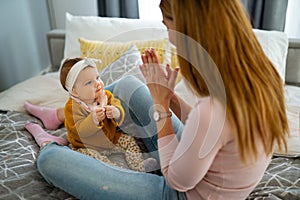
(126, 145)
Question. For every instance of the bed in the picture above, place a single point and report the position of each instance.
(96, 36)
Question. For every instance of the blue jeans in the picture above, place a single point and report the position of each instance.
(87, 178)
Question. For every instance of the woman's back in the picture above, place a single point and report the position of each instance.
(208, 163)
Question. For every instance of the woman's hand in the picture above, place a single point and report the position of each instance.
(160, 84)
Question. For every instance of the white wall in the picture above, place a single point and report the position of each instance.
(149, 9)
(292, 24)
(58, 8)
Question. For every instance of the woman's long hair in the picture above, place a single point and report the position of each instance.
(254, 92)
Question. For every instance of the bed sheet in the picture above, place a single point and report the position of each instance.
(21, 180)
(18, 173)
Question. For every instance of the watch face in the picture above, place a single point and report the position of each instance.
(156, 116)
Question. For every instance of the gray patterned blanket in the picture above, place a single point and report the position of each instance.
(19, 178)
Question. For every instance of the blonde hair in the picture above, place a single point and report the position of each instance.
(254, 104)
(165, 7)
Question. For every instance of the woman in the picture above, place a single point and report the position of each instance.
(228, 136)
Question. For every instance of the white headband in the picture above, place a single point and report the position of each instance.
(75, 70)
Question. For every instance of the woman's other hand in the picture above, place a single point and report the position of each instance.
(160, 83)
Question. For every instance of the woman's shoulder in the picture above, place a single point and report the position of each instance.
(208, 110)
(210, 104)
(212, 114)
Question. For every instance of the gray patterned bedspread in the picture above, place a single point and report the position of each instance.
(21, 180)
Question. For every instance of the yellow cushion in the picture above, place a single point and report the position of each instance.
(109, 52)
(174, 62)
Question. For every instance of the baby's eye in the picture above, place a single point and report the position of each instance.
(88, 83)
(98, 78)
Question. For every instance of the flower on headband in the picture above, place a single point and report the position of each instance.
(91, 62)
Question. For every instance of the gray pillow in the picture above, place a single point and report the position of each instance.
(127, 64)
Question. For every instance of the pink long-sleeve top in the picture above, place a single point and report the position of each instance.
(205, 163)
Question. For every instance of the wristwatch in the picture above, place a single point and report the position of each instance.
(161, 115)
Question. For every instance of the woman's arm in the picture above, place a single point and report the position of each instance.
(180, 107)
(184, 163)
(161, 86)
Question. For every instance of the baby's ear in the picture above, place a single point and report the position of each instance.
(74, 92)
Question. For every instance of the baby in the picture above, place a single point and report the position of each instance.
(92, 116)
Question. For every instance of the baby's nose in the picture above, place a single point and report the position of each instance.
(98, 85)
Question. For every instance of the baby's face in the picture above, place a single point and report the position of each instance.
(87, 84)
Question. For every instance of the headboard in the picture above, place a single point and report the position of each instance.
(293, 63)
(56, 43)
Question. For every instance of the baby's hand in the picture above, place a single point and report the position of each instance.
(99, 113)
(112, 112)
(101, 98)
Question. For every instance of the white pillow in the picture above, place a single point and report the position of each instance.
(112, 29)
(275, 45)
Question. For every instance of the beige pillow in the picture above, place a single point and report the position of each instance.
(43, 90)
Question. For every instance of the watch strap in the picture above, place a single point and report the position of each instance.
(165, 114)
(161, 115)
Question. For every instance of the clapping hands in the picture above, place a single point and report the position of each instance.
(160, 83)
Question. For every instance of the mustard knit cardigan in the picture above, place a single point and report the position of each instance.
(84, 133)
